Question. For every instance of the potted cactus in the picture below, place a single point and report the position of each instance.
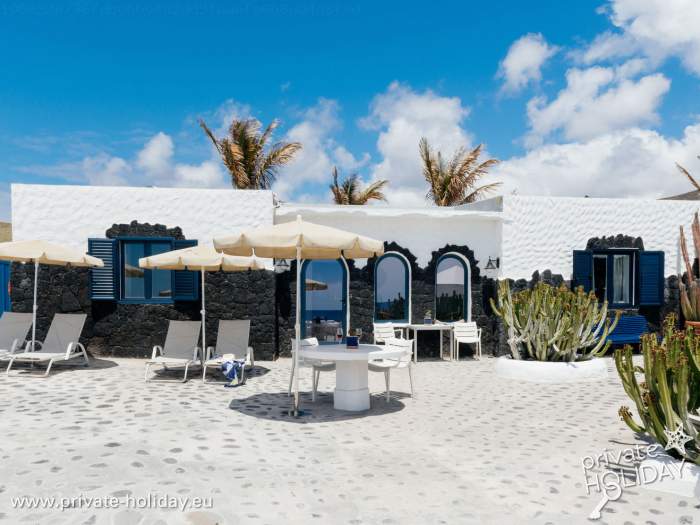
(667, 393)
(690, 289)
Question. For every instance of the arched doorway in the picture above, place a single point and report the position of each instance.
(453, 288)
(324, 299)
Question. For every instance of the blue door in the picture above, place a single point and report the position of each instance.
(324, 300)
(5, 303)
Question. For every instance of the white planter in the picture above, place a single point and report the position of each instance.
(551, 372)
(662, 474)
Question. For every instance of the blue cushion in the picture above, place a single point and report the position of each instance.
(628, 330)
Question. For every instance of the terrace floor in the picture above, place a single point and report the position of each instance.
(470, 448)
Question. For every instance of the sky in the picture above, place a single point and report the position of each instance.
(577, 98)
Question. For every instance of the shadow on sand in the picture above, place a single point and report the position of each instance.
(274, 406)
(61, 367)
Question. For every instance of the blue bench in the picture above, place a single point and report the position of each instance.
(628, 330)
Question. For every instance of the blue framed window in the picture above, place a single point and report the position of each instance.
(324, 299)
(141, 285)
(392, 289)
(121, 279)
(622, 277)
(452, 288)
(614, 276)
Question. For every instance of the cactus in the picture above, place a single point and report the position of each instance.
(690, 290)
(551, 323)
(669, 395)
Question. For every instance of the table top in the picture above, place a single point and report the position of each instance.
(339, 352)
(434, 326)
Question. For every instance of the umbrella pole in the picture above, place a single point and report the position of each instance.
(204, 322)
(297, 330)
(34, 307)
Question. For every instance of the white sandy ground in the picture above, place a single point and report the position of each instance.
(470, 448)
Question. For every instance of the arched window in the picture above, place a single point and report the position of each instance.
(453, 290)
(392, 288)
(324, 299)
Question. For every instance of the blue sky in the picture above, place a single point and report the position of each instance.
(575, 98)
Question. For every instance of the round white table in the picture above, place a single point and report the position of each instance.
(351, 372)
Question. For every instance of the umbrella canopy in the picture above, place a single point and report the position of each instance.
(42, 252)
(315, 241)
(313, 285)
(202, 258)
(300, 240)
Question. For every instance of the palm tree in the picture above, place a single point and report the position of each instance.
(454, 182)
(350, 191)
(687, 174)
(251, 165)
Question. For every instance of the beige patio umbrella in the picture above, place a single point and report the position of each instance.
(42, 252)
(202, 258)
(313, 285)
(300, 240)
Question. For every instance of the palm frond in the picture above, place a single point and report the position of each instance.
(244, 154)
(690, 177)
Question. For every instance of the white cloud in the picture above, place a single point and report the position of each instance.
(656, 28)
(156, 156)
(155, 162)
(523, 62)
(626, 163)
(153, 165)
(402, 117)
(597, 100)
(314, 163)
(105, 170)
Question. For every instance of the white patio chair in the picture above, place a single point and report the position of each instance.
(386, 331)
(180, 347)
(387, 365)
(467, 333)
(62, 342)
(317, 366)
(14, 327)
(232, 338)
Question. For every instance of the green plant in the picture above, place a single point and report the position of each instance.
(350, 190)
(454, 182)
(690, 290)
(550, 323)
(669, 395)
(252, 162)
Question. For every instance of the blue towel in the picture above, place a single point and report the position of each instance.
(233, 370)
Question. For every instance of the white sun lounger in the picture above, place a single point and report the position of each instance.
(61, 343)
(14, 327)
(232, 338)
(180, 347)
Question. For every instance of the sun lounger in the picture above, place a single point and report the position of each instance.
(180, 347)
(61, 343)
(14, 327)
(232, 338)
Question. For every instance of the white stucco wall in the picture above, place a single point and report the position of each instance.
(71, 214)
(541, 233)
(421, 230)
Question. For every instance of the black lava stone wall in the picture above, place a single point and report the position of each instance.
(268, 299)
(114, 329)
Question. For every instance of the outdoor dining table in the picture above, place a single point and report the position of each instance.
(351, 371)
(429, 328)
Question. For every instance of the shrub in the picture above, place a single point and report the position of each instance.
(550, 323)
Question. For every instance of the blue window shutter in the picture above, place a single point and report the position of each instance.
(104, 282)
(583, 270)
(651, 278)
(185, 282)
